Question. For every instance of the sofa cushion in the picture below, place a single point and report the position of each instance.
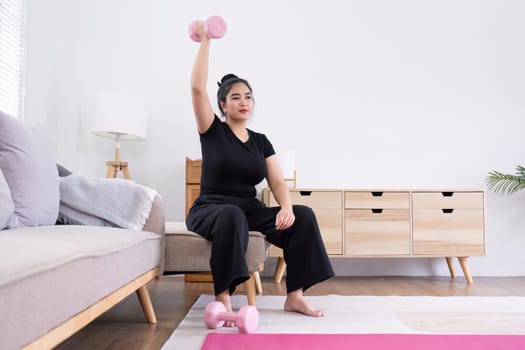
(32, 250)
(49, 274)
(7, 208)
(30, 173)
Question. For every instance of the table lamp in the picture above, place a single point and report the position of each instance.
(122, 118)
(287, 160)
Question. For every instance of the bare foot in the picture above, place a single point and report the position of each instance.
(296, 303)
(224, 298)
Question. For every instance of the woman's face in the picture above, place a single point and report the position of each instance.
(239, 102)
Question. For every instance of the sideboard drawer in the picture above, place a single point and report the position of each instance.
(331, 226)
(317, 199)
(448, 232)
(379, 200)
(447, 200)
(328, 209)
(374, 232)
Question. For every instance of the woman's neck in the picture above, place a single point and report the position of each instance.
(236, 125)
(239, 129)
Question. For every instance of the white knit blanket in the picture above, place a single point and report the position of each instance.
(104, 202)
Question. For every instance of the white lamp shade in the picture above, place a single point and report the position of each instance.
(287, 160)
(121, 115)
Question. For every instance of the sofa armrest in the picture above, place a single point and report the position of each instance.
(156, 223)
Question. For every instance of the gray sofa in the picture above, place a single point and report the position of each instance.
(55, 279)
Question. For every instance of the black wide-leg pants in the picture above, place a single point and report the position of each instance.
(226, 220)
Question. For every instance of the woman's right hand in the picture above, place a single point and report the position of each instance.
(201, 31)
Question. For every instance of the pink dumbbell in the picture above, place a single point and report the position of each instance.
(214, 26)
(246, 320)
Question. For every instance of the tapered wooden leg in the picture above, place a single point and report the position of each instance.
(111, 172)
(250, 290)
(125, 172)
(450, 264)
(147, 306)
(464, 267)
(257, 278)
(279, 270)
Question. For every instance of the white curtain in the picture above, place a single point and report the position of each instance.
(12, 55)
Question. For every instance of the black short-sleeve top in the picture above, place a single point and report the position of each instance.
(230, 166)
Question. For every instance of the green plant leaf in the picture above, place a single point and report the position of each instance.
(506, 183)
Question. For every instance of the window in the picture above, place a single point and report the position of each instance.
(12, 56)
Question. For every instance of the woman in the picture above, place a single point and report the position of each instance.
(234, 160)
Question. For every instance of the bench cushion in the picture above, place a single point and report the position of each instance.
(187, 251)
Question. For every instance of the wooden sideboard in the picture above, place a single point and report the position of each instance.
(395, 223)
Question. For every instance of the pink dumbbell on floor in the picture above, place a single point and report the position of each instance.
(214, 26)
(246, 320)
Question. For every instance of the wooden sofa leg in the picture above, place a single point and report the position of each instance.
(251, 290)
(147, 306)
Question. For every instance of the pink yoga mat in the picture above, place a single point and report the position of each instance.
(222, 341)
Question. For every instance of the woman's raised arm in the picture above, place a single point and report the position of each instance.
(199, 77)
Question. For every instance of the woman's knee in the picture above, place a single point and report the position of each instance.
(231, 215)
(303, 213)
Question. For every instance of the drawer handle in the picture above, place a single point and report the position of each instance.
(447, 194)
(377, 194)
(377, 211)
(305, 193)
(447, 211)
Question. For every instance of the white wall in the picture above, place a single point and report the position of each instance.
(370, 94)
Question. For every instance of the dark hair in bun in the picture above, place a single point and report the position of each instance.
(225, 86)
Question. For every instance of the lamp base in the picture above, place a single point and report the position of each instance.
(115, 167)
(293, 179)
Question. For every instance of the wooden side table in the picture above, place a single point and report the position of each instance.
(193, 181)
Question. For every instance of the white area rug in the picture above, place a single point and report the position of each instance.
(367, 314)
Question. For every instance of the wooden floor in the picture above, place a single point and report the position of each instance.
(124, 326)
